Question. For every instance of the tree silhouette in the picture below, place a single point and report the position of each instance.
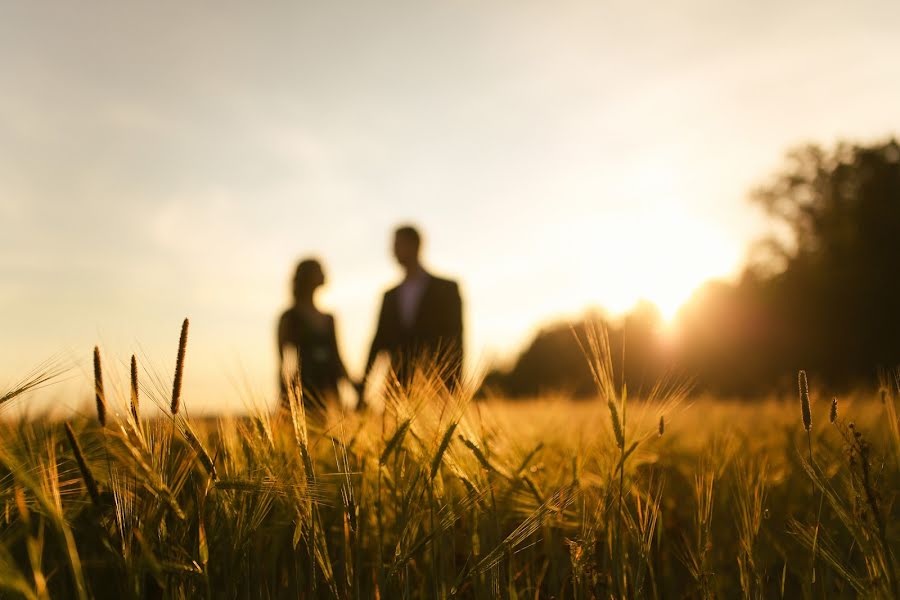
(555, 361)
(822, 293)
(839, 291)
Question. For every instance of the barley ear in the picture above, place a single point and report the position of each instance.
(442, 447)
(832, 416)
(98, 388)
(89, 482)
(135, 401)
(662, 425)
(179, 368)
(804, 400)
(617, 426)
(204, 457)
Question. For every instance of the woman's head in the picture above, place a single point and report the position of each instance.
(307, 278)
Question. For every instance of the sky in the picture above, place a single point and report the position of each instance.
(168, 159)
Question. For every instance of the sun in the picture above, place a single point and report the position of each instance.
(661, 255)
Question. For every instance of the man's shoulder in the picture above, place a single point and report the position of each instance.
(440, 283)
(445, 288)
(443, 283)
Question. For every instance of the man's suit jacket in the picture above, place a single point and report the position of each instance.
(435, 334)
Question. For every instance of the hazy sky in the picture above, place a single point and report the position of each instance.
(175, 159)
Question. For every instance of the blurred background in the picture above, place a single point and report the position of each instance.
(716, 181)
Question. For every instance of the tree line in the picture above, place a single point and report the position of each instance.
(822, 293)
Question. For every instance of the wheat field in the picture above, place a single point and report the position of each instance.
(439, 496)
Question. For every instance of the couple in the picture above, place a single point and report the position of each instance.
(420, 319)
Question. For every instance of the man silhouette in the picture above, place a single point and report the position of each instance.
(420, 319)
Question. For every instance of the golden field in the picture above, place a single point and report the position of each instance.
(440, 496)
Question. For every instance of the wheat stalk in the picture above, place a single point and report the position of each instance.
(89, 481)
(617, 426)
(135, 400)
(804, 400)
(179, 368)
(442, 447)
(98, 388)
(204, 457)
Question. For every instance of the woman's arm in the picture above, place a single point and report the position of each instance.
(378, 342)
(281, 335)
(342, 370)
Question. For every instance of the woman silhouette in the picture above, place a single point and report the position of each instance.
(309, 334)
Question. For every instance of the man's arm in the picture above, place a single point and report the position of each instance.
(379, 341)
(455, 332)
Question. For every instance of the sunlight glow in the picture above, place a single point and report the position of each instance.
(661, 255)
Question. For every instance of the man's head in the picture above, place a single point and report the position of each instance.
(407, 242)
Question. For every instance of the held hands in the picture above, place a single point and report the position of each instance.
(360, 387)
